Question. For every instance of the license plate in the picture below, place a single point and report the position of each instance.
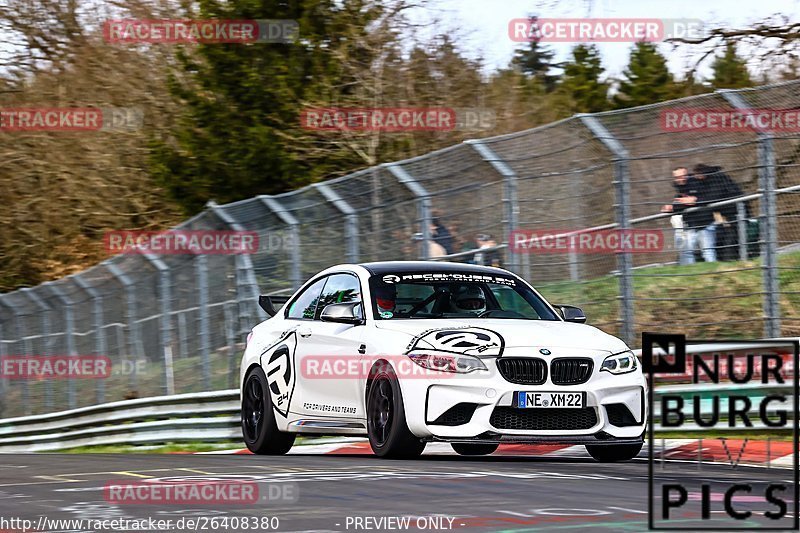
(550, 400)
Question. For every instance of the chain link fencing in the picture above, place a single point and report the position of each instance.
(177, 323)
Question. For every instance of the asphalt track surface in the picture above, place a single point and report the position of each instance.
(332, 492)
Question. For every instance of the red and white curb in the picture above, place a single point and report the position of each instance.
(751, 452)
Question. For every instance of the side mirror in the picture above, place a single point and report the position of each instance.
(572, 313)
(344, 313)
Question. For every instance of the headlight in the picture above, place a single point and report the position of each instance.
(620, 363)
(459, 364)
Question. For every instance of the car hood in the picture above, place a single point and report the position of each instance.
(495, 336)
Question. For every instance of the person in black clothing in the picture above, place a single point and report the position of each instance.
(441, 235)
(720, 186)
(700, 222)
(689, 191)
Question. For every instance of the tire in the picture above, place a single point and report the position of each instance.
(473, 449)
(611, 453)
(389, 436)
(259, 429)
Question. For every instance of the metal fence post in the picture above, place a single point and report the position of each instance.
(294, 231)
(768, 219)
(4, 351)
(510, 202)
(99, 334)
(741, 228)
(183, 340)
(230, 337)
(130, 318)
(623, 211)
(69, 326)
(351, 220)
(201, 272)
(246, 285)
(2, 379)
(772, 327)
(45, 325)
(165, 301)
(375, 214)
(424, 206)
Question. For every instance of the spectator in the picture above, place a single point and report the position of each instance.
(430, 248)
(442, 236)
(489, 257)
(724, 187)
(467, 245)
(436, 250)
(698, 224)
(719, 186)
(685, 237)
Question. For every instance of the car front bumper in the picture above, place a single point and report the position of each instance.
(428, 402)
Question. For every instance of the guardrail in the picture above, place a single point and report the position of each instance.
(193, 417)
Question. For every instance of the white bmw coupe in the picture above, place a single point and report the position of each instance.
(412, 352)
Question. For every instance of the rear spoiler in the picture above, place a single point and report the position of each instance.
(272, 304)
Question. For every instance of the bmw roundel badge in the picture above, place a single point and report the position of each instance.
(544, 351)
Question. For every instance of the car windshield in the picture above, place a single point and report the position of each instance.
(455, 295)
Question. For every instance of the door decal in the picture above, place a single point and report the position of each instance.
(278, 362)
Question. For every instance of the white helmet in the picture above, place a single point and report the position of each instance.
(468, 299)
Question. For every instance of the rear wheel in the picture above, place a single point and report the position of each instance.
(259, 429)
(388, 432)
(473, 449)
(611, 453)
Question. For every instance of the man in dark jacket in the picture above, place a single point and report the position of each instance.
(441, 235)
(698, 224)
(720, 186)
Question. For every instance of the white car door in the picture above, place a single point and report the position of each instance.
(280, 361)
(328, 356)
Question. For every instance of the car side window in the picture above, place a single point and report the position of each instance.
(304, 306)
(410, 294)
(511, 300)
(340, 288)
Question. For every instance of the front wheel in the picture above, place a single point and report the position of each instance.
(388, 432)
(473, 449)
(259, 429)
(611, 453)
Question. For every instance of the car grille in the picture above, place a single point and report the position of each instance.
(571, 370)
(619, 415)
(523, 370)
(543, 419)
(459, 414)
